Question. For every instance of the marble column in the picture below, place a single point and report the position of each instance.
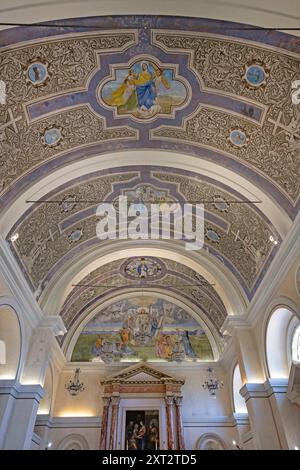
(179, 425)
(169, 405)
(103, 434)
(113, 424)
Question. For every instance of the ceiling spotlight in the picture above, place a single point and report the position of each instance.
(273, 240)
(234, 443)
(296, 448)
(14, 237)
(49, 444)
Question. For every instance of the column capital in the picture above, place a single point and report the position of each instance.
(233, 323)
(115, 400)
(169, 400)
(106, 401)
(54, 323)
(178, 401)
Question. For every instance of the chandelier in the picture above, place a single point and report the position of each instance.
(75, 386)
(212, 384)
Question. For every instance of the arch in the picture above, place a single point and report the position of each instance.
(277, 341)
(61, 285)
(52, 181)
(10, 342)
(210, 441)
(239, 405)
(17, 323)
(75, 330)
(46, 401)
(73, 442)
(267, 14)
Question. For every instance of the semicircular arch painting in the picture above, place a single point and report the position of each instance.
(142, 328)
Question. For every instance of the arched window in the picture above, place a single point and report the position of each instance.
(238, 400)
(278, 343)
(296, 345)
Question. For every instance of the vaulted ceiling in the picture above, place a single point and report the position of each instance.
(222, 129)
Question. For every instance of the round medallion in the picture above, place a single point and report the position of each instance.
(143, 268)
(220, 204)
(238, 137)
(52, 136)
(256, 75)
(76, 235)
(212, 235)
(37, 73)
(68, 204)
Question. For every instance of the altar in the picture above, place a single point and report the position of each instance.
(142, 410)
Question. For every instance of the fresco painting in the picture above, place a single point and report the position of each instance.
(146, 329)
(144, 90)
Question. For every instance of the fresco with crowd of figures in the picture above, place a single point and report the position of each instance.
(142, 328)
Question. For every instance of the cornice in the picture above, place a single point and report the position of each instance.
(105, 369)
(264, 390)
(68, 422)
(54, 323)
(128, 376)
(21, 391)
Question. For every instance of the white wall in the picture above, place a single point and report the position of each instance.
(81, 414)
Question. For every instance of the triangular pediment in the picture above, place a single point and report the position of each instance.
(142, 373)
